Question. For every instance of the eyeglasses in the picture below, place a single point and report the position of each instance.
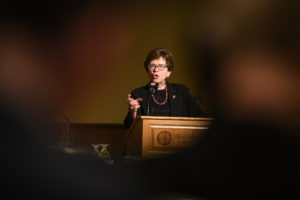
(159, 67)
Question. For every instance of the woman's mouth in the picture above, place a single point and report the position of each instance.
(155, 76)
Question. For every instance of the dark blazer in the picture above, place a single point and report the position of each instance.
(182, 104)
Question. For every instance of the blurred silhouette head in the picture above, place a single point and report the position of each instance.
(252, 64)
(30, 32)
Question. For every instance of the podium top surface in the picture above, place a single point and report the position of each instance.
(174, 118)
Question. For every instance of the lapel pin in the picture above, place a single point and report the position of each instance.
(174, 96)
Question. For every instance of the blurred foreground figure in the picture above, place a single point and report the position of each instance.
(32, 83)
(252, 71)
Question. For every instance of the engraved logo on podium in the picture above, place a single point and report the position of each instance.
(164, 138)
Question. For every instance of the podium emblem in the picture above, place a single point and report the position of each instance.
(164, 138)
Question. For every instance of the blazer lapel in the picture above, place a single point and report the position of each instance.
(144, 103)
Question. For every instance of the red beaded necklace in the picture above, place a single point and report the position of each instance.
(164, 102)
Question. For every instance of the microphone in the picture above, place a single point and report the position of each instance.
(152, 88)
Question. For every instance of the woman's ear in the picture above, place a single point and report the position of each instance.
(169, 73)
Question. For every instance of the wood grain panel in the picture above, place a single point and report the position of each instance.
(164, 135)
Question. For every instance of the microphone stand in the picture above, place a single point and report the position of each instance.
(151, 90)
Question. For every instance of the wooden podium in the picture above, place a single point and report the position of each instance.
(151, 136)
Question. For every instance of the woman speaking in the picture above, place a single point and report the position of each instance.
(159, 97)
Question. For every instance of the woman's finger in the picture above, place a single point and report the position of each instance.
(129, 98)
(139, 99)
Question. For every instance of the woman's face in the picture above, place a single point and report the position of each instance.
(156, 74)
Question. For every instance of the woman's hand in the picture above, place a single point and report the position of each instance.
(133, 105)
